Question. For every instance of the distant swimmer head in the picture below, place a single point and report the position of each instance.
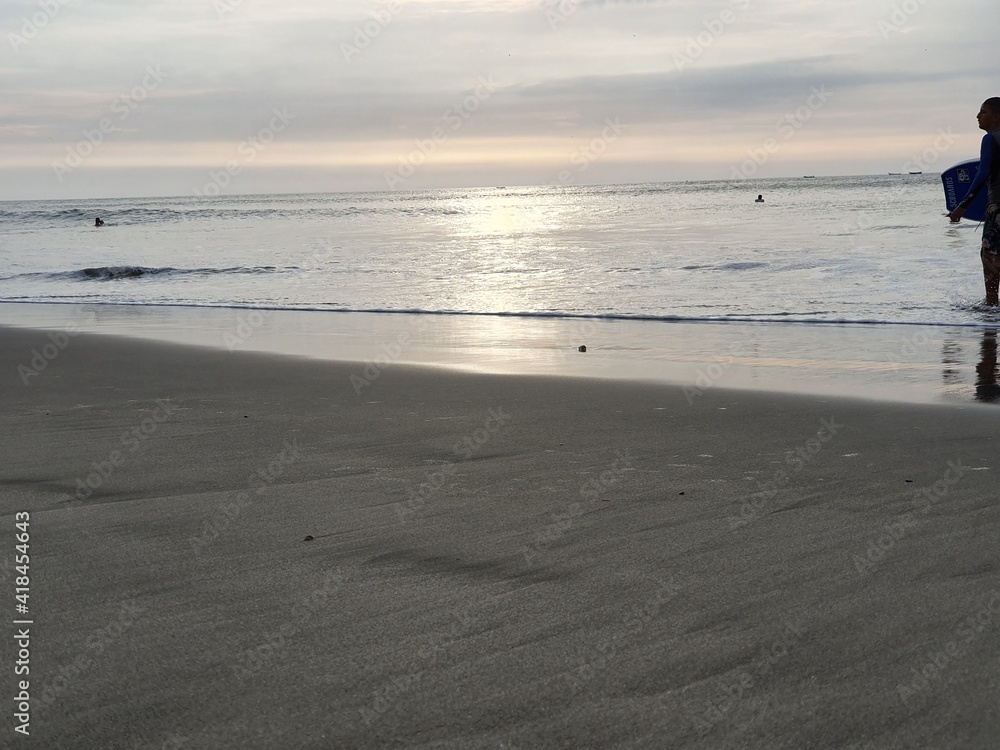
(760, 199)
(98, 222)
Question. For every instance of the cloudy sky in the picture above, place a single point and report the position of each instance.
(120, 98)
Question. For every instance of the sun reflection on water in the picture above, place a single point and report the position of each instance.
(513, 242)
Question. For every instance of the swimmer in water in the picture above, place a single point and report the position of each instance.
(98, 222)
(760, 199)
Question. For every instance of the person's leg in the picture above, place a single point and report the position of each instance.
(990, 254)
(991, 275)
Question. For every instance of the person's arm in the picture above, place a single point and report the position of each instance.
(985, 167)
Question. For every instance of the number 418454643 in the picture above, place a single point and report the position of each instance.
(22, 561)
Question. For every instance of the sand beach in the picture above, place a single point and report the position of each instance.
(245, 550)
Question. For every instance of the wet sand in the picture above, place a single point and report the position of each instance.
(908, 363)
(494, 562)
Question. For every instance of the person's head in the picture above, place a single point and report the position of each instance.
(989, 114)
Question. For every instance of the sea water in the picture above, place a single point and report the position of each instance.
(839, 249)
(689, 282)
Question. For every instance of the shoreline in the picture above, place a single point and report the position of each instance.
(527, 316)
(466, 560)
(905, 362)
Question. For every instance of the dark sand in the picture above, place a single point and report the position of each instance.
(496, 562)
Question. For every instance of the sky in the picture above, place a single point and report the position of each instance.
(126, 98)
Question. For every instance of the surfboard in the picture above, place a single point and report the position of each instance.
(956, 181)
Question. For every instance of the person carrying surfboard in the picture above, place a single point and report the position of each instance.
(988, 175)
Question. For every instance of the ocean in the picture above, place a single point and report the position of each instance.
(871, 250)
(855, 286)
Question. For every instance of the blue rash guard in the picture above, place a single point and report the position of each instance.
(989, 171)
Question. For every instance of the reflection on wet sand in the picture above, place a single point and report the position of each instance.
(987, 389)
(952, 359)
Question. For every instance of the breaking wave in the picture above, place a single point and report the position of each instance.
(116, 273)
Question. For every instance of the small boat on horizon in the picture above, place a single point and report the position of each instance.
(808, 177)
(913, 171)
(895, 173)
